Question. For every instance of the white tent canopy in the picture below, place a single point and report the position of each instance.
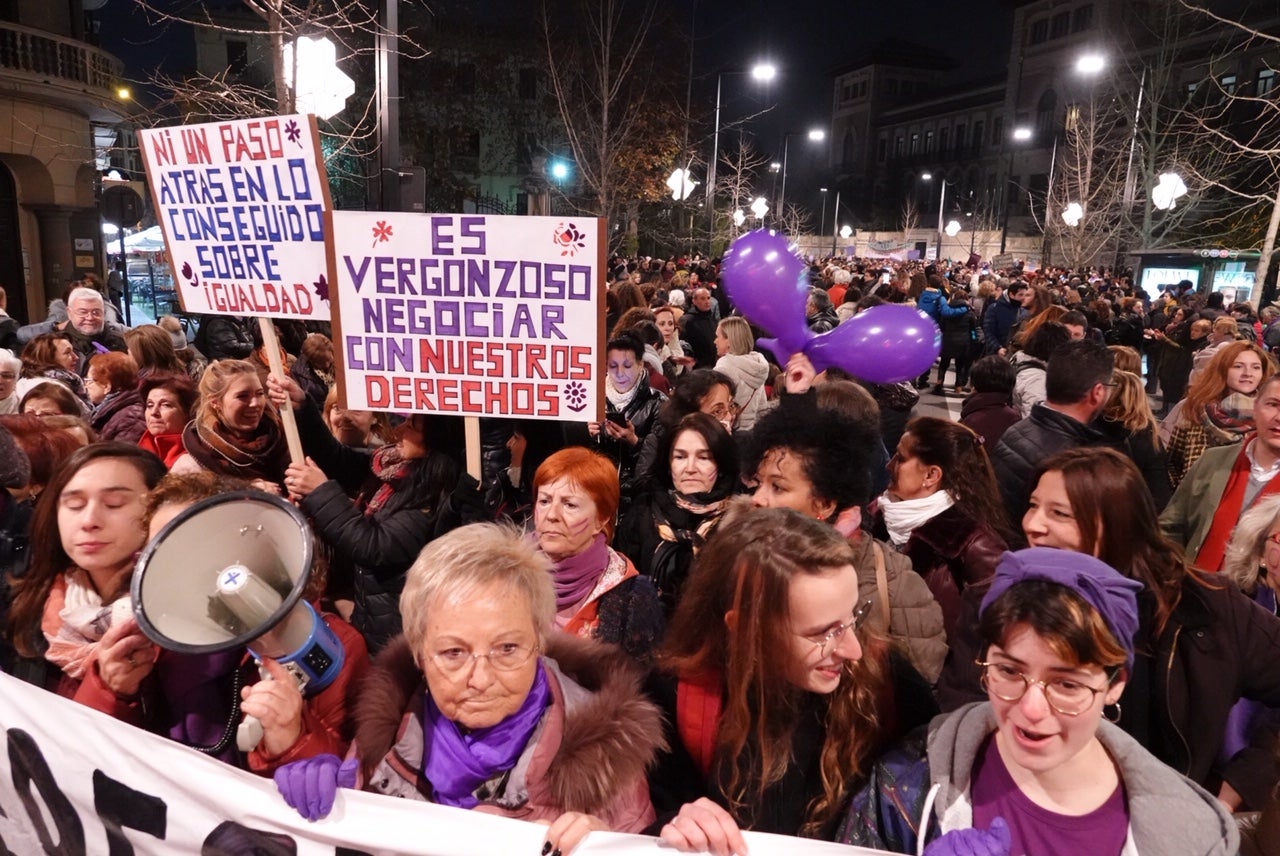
(147, 241)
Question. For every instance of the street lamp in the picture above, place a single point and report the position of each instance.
(761, 72)
(822, 220)
(681, 184)
(1073, 214)
(953, 228)
(942, 207)
(760, 208)
(1021, 134)
(1091, 63)
(1165, 195)
(312, 73)
(815, 135)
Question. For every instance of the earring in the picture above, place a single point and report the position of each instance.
(1110, 719)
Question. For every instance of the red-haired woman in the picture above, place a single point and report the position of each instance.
(599, 593)
(112, 382)
(777, 696)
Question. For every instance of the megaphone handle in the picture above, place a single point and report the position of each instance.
(249, 734)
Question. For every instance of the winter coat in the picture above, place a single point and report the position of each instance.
(988, 414)
(222, 337)
(998, 321)
(958, 330)
(642, 413)
(1028, 383)
(664, 561)
(823, 321)
(120, 416)
(1147, 454)
(379, 547)
(915, 618)
(1025, 445)
(1189, 515)
(316, 388)
(748, 373)
(952, 552)
(589, 753)
(166, 447)
(1167, 813)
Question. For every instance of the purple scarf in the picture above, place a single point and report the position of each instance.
(456, 764)
(576, 576)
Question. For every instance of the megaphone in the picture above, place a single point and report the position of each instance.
(229, 571)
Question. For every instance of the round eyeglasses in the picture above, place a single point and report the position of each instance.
(827, 642)
(1066, 696)
(505, 657)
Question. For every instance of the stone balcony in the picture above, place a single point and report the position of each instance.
(40, 66)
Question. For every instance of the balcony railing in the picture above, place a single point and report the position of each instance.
(50, 58)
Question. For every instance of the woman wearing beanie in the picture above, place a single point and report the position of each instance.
(1035, 769)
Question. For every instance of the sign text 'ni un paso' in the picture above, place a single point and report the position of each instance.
(469, 314)
(242, 205)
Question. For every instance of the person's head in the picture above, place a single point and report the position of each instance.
(151, 347)
(702, 300)
(89, 517)
(1127, 359)
(1129, 405)
(993, 373)
(357, 428)
(1078, 374)
(938, 454)
(733, 336)
(317, 350)
(1224, 330)
(575, 498)
(108, 373)
(46, 450)
(629, 296)
(1253, 554)
(701, 457)
(665, 318)
(1036, 299)
(477, 606)
(1058, 630)
(86, 310)
(168, 401)
(75, 427)
(1076, 323)
(818, 301)
(701, 391)
(816, 466)
(772, 605)
(1240, 367)
(1046, 339)
(624, 361)
(1096, 501)
(1266, 414)
(177, 336)
(10, 369)
(176, 492)
(1200, 328)
(49, 350)
(232, 395)
(648, 333)
(50, 399)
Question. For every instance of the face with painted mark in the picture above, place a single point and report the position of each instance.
(565, 518)
(624, 369)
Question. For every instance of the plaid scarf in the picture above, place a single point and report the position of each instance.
(390, 469)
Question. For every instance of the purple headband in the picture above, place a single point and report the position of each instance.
(1113, 595)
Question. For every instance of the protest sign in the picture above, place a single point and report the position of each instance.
(470, 315)
(243, 206)
(75, 781)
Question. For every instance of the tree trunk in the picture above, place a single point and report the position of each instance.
(1268, 248)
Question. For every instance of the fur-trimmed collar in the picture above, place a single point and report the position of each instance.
(609, 738)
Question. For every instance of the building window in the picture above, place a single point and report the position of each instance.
(891, 86)
(1228, 82)
(237, 56)
(528, 84)
(862, 89)
(1039, 31)
(1045, 111)
(1266, 81)
(978, 128)
(960, 129)
(882, 150)
(915, 142)
(997, 130)
(898, 146)
(942, 140)
(1073, 116)
(1060, 26)
(928, 141)
(1082, 18)
(847, 148)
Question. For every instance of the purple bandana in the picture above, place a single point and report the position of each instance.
(456, 763)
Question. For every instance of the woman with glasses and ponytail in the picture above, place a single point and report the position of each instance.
(482, 704)
(1035, 769)
(778, 693)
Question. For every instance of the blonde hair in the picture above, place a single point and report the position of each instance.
(215, 382)
(1242, 563)
(1129, 406)
(738, 332)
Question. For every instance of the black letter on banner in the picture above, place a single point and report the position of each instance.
(121, 807)
(28, 765)
(231, 839)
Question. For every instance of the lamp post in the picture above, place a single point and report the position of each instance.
(815, 135)
(942, 207)
(835, 220)
(1020, 135)
(761, 72)
(822, 219)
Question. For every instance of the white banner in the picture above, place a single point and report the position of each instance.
(74, 781)
(243, 208)
(469, 314)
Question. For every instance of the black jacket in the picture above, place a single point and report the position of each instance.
(222, 337)
(642, 413)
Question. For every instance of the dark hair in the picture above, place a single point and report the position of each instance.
(629, 319)
(648, 333)
(718, 441)
(180, 385)
(1075, 368)
(834, 451)
(1075, 318)
(966, 471)
(626, 341)
(56, 392)
(1046, 339)
(687, 397)
(48, 558)
(45, 449)
(1072, 628)
(41, 353)
(993, 373)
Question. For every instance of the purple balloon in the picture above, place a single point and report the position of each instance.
(885, 344)
(767, 282)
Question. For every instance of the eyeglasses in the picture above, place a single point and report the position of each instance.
(506, 657)
(1065, 696)
(827, 642)
(87, 313)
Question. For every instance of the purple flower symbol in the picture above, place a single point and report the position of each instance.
(292, 131)
(189, 275)
(321, 287)
(575, 393)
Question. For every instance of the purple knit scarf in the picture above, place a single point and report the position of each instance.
(576, 576)
(456, 764)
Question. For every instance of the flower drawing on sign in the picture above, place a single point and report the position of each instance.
(189, 275)
(575, 394)
(293, 132)
(381, 232)
(569, 239)
(321, 287)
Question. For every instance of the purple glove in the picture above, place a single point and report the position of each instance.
(310, 785)
(994, 841)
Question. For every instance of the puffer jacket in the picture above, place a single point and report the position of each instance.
(915, 618)
(589, 754)
(642, 413)
(120, 416)
(1167, 813)
(748, 373)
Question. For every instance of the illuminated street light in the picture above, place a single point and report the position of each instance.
(815, 135)
(1166, 194)
(559, 170)
(953, 228)
(1022, 134)
(761, 72)
(739, 217)
(322, 88)
(1073, 214)
(926, 176)
(1091, 63)
(759, 208)
(681, 184)
(764, 72)
(846, 231)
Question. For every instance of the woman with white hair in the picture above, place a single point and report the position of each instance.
(10, 368)
(743, 365)
(482, 704)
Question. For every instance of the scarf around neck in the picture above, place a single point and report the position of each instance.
(620, 400)
(74, 620)
(390, 469)
(903, 516)
(456, 764)
(264, 456)
(576, 576)
(1229, 419)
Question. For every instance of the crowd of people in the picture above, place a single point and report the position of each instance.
(753, 597)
